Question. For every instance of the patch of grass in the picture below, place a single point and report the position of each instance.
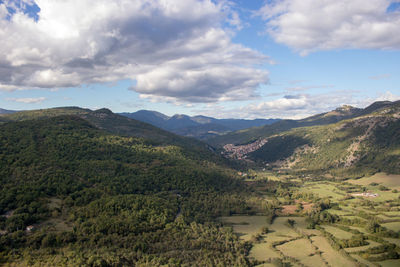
(246, 226)
(323, 190)
(266, 265)
(338, 233)
(333, 257)
(56, 224)
(301, 226)
(390, 263)
(279, 227)
(395, 226)
(392, 213)
(389, 180)
(371, 244)
(340, 212)
(263, 252)
(302, 250)
(54, 203)
(362, 260)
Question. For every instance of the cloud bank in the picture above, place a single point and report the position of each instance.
(172, 49)
(298, 106)
(308, 25)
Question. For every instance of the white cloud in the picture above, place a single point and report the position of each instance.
(174, 49)
(298, 106)
(309, 25)
(29, 100)
(388, 96)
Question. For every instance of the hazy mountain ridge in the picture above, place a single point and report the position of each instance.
(6, 111)
(201, 127)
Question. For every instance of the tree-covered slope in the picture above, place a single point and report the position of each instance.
(116, 124)
(337, 115)
(365, 144)
(100, 199)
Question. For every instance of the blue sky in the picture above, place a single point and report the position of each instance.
(247, 59)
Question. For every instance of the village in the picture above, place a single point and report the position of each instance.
(241, 151)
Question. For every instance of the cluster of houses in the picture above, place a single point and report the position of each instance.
(365, 194)
(240, 152)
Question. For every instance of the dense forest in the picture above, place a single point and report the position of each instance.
(100, 199)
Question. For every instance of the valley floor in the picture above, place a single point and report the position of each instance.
(358, 222)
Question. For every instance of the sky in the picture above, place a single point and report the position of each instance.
(220, 58)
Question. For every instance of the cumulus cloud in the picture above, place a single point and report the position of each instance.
(308, 25)
(169, 48)
(298, 106)
(388, 96)
(29, 100)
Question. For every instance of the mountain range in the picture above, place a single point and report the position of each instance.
(200, 127)
(346, 141)
(6, 111)
(83, 187)
(339, 114)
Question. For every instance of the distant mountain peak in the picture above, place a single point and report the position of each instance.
(345, 108)
(195, 126)
(104, 110)
(151, 113)
(180, 116)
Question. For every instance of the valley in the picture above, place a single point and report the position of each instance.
(199, 133)
(94, 188)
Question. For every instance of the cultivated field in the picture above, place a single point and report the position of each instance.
(357, 223)
(390, 180)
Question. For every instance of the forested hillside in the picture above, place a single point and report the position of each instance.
(365, 144)
(96, 198)
(339, 114)
(113, 123)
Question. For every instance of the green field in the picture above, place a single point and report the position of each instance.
(390, 263)
(338, 233)
(280, 229)
(362, 260)
(392, 213)
(302, 250)
(333, 257)
(302, 246)
(263, 252)
(389, 180)
(363, 248)
(246, 226)
(323, 190)
(395, 226)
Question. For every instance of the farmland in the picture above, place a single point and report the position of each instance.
(320, 222)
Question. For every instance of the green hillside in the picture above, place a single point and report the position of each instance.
(100, 199)
(252, 134)
(113, 123)
(364, 144)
